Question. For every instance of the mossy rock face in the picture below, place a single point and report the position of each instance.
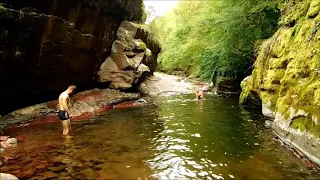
(294, 11)
(286, 74)
(299, 123)
(314, 8)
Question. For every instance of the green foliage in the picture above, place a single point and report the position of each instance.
(142, 45)
(144, 13)
(4, 12)
(213, 38)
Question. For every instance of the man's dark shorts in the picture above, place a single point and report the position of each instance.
(63, 115)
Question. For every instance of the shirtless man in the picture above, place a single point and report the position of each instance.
(64, 112)
(199, 94)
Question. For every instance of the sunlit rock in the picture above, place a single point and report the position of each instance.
(266, 110)
(4, 176)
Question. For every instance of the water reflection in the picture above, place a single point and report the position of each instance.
(200, 105)
(215, 139)
(170, 138)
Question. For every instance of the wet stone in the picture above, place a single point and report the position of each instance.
(56, 164)
(41, 166)
(49, 175)
(26, 174)
(97, 162)
(76, 164)
(57, 169)
(65, 177)
(66, 161)
(96, 168)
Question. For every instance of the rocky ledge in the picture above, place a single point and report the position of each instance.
(83, 105)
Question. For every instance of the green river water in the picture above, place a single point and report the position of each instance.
(172, 137)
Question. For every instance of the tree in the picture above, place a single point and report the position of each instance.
(208, 39)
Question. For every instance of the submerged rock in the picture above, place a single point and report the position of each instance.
(57, 169)
(11, 141)
(268, 123)
(141, 101)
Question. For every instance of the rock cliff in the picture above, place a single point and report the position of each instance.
(286, 77)
(46, 45)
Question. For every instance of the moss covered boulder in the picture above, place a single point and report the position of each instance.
(286, 77)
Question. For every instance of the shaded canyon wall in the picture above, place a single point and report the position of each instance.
(286, 78)
(46, 45)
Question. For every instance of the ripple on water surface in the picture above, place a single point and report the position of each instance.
(174, 138)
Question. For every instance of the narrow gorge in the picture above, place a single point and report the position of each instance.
(183, 89)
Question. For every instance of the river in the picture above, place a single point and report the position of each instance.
(172, 137)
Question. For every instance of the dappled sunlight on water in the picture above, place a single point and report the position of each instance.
(171, 138)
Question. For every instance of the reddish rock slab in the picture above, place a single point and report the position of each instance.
(83, 105)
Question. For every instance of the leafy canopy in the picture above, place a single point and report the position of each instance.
(209, 39)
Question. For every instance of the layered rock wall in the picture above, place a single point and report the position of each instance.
(130, 61)
(46, 45)
(286, 77)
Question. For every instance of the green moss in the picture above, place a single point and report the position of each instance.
(246, 86)
(282, 43)
(272, 80)
(296, 28)
(314, 8)
(295, 11)
(142, 45)
(298, 123)
(278, 63)
(305, 124)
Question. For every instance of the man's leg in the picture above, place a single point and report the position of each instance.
(65, 125)
(68, 126)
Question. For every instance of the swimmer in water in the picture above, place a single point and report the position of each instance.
(199, 94)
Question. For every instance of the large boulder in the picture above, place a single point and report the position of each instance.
(150, 60)
(137, 59)
(130, 61)
(146, 37)
(119, 79)
(117, 47)
(109, 65)
(122, 61)
(142, 72)
(127, 30)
